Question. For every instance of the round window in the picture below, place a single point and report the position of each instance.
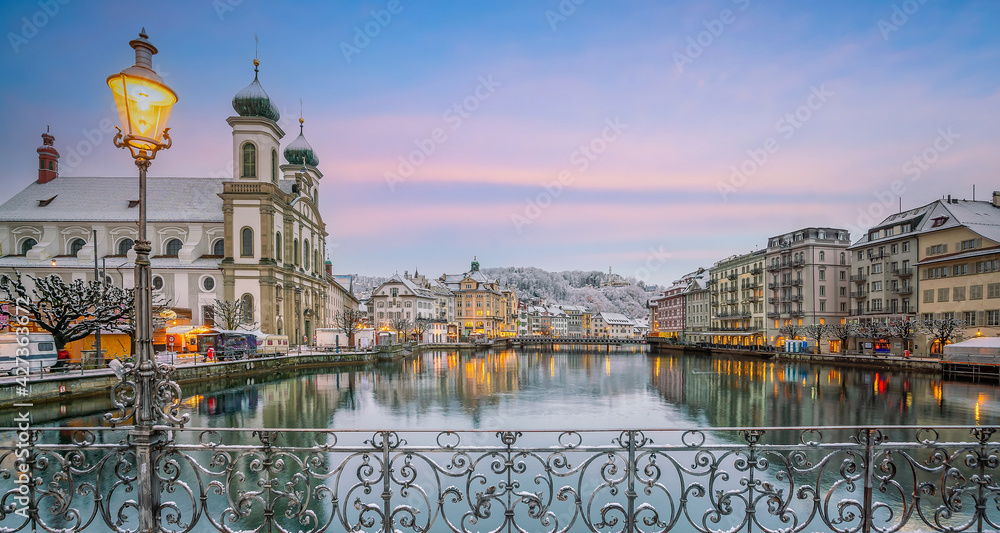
(208, 283)
(157, 283)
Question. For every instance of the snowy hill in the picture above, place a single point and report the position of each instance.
(576, 287)
(573, 287)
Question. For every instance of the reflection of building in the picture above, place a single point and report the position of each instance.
(807, 279)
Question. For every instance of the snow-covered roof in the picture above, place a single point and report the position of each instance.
(981, 217)
(616, 319)
(107, 199)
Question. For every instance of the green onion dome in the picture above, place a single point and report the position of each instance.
(299, 152)
(253, 101)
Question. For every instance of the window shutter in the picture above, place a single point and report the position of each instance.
(928, 251)
(944, 248)
(980, 318)
(979, 242)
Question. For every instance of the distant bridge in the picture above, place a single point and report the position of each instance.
(575, 340)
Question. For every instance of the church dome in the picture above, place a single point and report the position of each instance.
(252, 101)
(299, 152)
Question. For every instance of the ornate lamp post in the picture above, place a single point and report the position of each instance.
(146, 393)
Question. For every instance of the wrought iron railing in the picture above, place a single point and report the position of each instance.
(843, 479)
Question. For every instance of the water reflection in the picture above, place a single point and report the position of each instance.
(580, 389)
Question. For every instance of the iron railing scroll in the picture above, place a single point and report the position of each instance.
(837, 479)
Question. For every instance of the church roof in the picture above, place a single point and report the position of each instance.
(108, 199)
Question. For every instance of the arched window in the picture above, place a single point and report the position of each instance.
(295, 252)
(305, 254)
(172, 247)
(274, 165)
(246, 242)
(247, 301)
(822, 256)
(27, 244)
(277, 246)
(76, 245)
(249, 161)
(125, 245)
(219, 248)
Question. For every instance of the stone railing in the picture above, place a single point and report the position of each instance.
(843, 479)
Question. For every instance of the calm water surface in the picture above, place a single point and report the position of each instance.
(590, 389)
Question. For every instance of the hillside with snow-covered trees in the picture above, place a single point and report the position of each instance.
(573, 287)
(577, 287)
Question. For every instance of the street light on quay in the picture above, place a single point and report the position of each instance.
(146, 394)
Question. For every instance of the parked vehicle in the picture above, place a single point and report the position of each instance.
(40, 351)
(228, 345)
(274, 345)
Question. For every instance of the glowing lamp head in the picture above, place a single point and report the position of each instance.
(143, 100)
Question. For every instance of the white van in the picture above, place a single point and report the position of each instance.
(41, 351)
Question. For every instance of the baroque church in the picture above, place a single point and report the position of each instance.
(258, 236)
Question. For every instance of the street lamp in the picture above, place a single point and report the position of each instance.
(144, 104)
(146, 392)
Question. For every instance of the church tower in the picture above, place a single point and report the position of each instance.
(48, 159)
(250, 202)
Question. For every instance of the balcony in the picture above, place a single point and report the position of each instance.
(773, 286)
(859, 278)
(799, 263)
(756, 271)
(731, 276)
(798, 314)
(732, 288)
(903, 290)
(772, 300)
(796, 283)
(774, 315)
(773, 267)
(751, 286)
(859, 294)
(796, 298)
(903, 272)
(877, 256)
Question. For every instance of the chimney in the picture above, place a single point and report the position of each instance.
(48, 159)
(996, 198)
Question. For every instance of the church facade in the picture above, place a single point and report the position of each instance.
(258, 237)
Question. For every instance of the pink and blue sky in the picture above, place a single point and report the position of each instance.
(821, 107)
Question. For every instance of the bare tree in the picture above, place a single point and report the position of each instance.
(790, 331)
(421, 325)
(69, 311)
(402, 328)
(348, 322)
(816, 332)
(843, 333)
(903, 330)
(872, 329)
(231, 315)
(941, 330)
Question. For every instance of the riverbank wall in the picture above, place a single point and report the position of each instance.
(65, 386)
(847, 360)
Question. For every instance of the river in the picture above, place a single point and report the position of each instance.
(572, 389)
